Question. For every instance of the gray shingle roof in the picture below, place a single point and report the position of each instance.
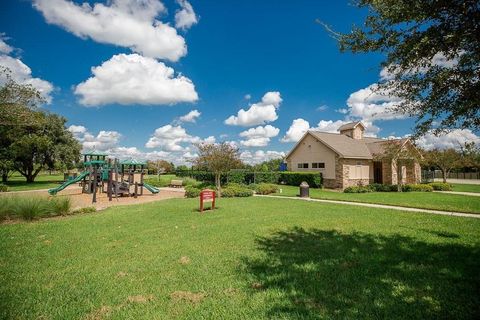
(347, 147)
(343, 145)
(350, 125)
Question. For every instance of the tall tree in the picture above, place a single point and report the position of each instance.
(218, 158)
(445, 160)
(31, 139)
(43, 146)
(17, 103)
(432, 58)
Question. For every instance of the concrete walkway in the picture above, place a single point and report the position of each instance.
(459, 181)
(382, 206)
(475, 194)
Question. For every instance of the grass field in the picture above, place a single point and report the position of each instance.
(424, 200)
(253, 258)
(42, 181)
(466, 187)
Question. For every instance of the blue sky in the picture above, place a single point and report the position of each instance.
(225, 56)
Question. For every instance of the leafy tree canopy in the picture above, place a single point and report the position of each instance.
(31, 139)
(218, 158)
(432, 58)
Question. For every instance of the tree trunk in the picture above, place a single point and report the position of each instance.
(4, 177)
(444, 175)
(217, 184)
(30, 178)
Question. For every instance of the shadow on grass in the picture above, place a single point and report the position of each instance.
(326, 274)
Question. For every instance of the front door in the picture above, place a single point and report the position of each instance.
(377, 172)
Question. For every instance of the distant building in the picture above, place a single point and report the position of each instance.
(348, 158)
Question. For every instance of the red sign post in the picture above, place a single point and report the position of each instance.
(207, 195)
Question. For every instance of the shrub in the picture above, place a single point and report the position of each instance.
(267, 177)
(357, 189)
(383, 187)
(30, 208)
(314, 179)
(61, 206)
(6, 207)
(3, 187)
(85, 210)
(236, 177)
(190, 182)
(441, 186)
(266, 188)
(417, 188)
(236, 190)
(192, 192)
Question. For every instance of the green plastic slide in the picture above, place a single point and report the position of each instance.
(69, 182)
(151, 188)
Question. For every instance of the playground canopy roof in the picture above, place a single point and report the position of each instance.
(133, 162)
(95, 153)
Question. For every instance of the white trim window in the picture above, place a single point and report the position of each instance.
(318, 165)
(302, 165)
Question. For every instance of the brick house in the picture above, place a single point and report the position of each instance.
(348, 158)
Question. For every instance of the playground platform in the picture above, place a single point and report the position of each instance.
(82, 200)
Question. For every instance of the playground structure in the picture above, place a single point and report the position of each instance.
(113, 177)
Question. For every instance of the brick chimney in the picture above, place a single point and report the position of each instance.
(353, 130)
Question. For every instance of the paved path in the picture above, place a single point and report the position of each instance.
(459, 181)
(382, 206)
(475, 194)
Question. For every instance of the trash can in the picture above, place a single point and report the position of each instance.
(304, 190)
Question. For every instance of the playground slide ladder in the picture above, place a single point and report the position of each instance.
(151, 188)
(82, 175)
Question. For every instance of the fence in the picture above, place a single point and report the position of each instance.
(458, 175)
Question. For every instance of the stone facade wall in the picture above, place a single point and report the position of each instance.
(342, 173)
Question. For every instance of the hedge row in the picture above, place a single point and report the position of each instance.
(314, 179)
(375, 187)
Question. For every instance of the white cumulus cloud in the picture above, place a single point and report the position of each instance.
(134, 79)
(453, 139)
(22, 73)
(174, 138)
(127, 23)
(4, 47)
(185, 17)
(260, 156)
(259, 136)
(296, 131)
(259, 113)
(103, 141)
(191, 116)
(369, 104)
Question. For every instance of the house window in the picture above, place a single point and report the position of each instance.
(303, 166)
(318, 165)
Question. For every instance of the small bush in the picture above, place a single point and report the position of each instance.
(314, 179)
(357, 189)
(85, 210)
(441, 186)
(3, 187)
(190, 182)
(266, 188)
(6, 207)
(61, 206)
(236, 177)
(192, 192)
(417, 188)
(236, 190)
(378, 187)
(30, 208)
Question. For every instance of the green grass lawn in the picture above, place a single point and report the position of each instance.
(424, 200)
(42, 181)
(253, 258)
(466, 187)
